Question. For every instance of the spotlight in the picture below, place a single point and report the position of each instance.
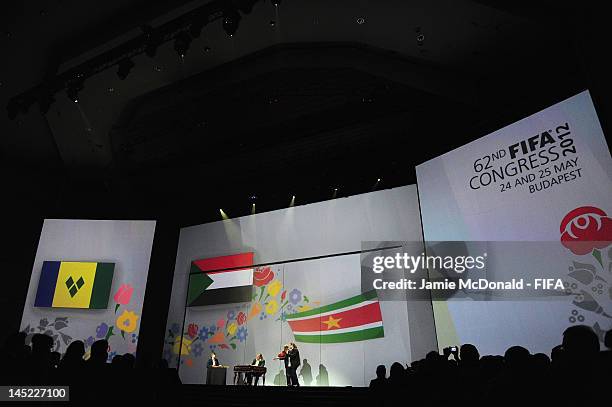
(182, 42)
(73, 88)
(231, 20)
(376, 183)
(253, 209)
(125, 66)
(292, 202)
(335, 194)
(275, 3)
(420, 39)
(223, 215)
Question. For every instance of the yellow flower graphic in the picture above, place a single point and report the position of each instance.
(185, 348)
(127, 321)
(231, 329)
(274, 287)
(272, 307)
(304, 308)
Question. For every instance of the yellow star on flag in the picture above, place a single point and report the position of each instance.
(332, 323)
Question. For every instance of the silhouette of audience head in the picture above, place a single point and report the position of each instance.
(540, 362)
(517, 358)
(55, 359)
(41, 345)
(580, 343)
(468, 354)
(608, 339)
(128, 361)
(381, 372)
(99, 352)
(75, 351)
(396, 371)
(116, 361)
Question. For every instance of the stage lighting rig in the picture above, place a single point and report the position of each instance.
(182, 42)
(152, 40)
(73, 88)
(195, 29)
(125, 66)
(44, 102)
(231, 21)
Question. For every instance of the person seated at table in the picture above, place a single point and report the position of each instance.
(259, 362)
(213, 361)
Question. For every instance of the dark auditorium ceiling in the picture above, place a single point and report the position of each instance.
(305, 97)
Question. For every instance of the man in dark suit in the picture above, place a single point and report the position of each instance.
(213, 361)
(294, 362)
(260, 362)
(285, 358)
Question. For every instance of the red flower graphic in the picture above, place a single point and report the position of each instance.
(262, 276)
(585, 229)
(124, 294)
(241, 318)
(192, 330)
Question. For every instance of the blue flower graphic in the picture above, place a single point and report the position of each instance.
(212, 329)
(111, 356)
(101, 330)
(295, 296)
(168, 355)
(89, 341)
(231, 315)
(175, 328)
(242, 333)
(203, 333)
(197, 349)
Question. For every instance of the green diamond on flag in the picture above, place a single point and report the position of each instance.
(355, 319)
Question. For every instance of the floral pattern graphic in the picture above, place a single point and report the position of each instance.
(126, 323)
(192, 330)
(270, 299)
(588, 230)
(262, 276)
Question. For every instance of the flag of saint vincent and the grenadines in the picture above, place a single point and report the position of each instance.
(221, 280)
(74, 284)
(354, 319)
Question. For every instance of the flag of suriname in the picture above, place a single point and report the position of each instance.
(353, 319)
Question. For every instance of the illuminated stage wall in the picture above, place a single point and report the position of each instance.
(305, 287)
(546, 178)
(88, 282)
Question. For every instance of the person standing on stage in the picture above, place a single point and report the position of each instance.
(285, 358)
(294, 362)
(213, 361)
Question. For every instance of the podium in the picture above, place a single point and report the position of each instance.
(216, 375)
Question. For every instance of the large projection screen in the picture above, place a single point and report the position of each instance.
(111, 260)
(306, 257)
(546, 178)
